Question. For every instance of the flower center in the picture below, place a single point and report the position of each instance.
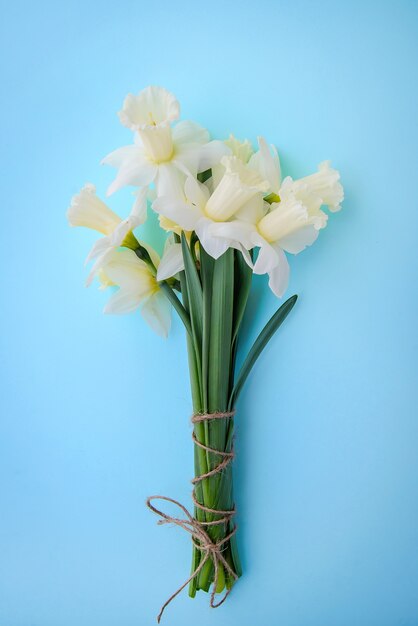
(157, 141)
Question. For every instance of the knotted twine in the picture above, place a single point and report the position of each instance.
(211, 550)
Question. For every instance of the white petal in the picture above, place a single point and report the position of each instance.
(135, 169)
(253, 210)
(299, 239)
(122, 302)
(187, 132)
(237, 187)
(157, 142)
(241, 149)
(196, 192)
(120, 233)
(156, 311)
(89, 211)
(247, 258)
(211, 154)
(214, 246)
(192, 158)
(267, 259)
(98, 248)
(266, 162)
(186, 215)
(153, 105)
(241, 232)
(170, 181)
(248, 176)
(284, 218)
(155, 257)
(101, 260)
(323, 187)
(171, 263)
(186, 159)
(117, 157)
(139, 209)
(279, 276)
(125, 269)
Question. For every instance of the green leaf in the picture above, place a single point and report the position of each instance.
(206, 272)
(195, 302)
(194, 291)
(259, 345)
(243, 278)
(221, 331)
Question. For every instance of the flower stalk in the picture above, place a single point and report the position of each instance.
(210, 361)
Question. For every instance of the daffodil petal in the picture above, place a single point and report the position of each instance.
(297, 241)
(279, 276)
(171, 262)
(156, 311)
(186, 215)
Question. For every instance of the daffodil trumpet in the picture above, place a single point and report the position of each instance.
(226, 213)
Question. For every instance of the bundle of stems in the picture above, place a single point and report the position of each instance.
(214, 299)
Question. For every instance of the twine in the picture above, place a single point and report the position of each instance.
(211, 550)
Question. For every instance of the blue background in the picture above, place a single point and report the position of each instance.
(95, 408)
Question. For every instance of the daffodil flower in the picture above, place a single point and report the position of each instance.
(243, 150)
(138, 288)
(161, 153)
(238, 194)
(265, 161)
(122, 235)
(289, 225)
(88, 210)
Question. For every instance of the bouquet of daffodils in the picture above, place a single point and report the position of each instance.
(227, 214)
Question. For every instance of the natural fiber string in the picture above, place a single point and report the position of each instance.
(211, 550)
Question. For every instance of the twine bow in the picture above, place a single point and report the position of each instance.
(211, 550)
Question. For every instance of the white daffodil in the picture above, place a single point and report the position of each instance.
(138, 288)
(150, 114)
(239, 193)
(290, 225)
(161, 153)
(265, 162)
(88, 210)
(122, 235)
(323, 187)
(243, 150)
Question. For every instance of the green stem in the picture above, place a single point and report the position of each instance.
(218, 386)
(200, 461)
(208, 307)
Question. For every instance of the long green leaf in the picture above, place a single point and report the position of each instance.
(194, 289)
(259, 345)
(221, 330)
(200, 461)
(206, 271)
(195, 299)
(242, 286)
